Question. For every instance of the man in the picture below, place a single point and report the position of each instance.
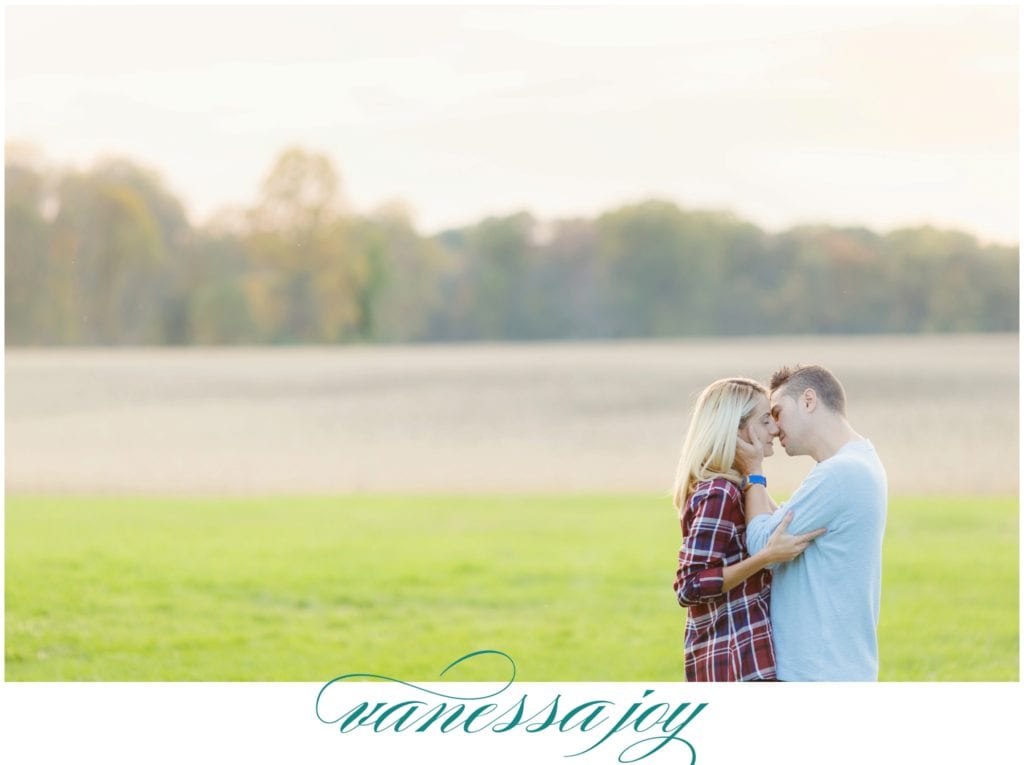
(824, 604)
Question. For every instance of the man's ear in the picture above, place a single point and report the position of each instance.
(810, 399)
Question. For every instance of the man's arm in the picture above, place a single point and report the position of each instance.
(702, 575)
(814, 506)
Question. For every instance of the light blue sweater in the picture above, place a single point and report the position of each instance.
(824, 604)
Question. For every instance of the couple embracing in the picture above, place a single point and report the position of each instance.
(779, 593)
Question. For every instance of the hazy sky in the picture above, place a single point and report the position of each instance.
(875, 116)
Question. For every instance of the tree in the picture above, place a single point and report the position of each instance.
(27, 278)
(490, 295)
(662, 269)
(307, 276)
(108, 253)
(403, 290)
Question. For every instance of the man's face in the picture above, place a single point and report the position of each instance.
(785, 412)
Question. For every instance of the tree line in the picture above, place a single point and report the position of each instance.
(107, 256)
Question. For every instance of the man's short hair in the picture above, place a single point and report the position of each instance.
(795, 380)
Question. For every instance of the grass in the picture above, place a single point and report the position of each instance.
(574, 588)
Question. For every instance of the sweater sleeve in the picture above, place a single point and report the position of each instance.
(815, 505)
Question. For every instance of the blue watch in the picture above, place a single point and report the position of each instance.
(751, 479)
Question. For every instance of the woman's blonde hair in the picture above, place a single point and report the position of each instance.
(709, 450)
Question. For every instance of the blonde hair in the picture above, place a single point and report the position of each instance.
(709, 450)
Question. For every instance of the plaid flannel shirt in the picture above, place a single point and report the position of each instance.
(728, 634)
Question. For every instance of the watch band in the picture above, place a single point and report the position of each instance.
(751, 479)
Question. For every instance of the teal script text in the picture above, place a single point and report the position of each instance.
(645, 727)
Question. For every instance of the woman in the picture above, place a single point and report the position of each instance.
(723, 587)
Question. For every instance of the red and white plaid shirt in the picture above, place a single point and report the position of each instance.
(728, 634)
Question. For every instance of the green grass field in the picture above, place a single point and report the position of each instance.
(573, 588)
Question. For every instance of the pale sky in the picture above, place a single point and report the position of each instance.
(784, 115)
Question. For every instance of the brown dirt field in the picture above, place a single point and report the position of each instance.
(941, 410)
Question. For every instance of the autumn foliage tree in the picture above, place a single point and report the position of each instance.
(108, 256)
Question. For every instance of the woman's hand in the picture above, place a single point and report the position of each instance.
(784, 547)
(749, 451)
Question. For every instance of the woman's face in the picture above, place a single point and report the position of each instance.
(762, 424)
